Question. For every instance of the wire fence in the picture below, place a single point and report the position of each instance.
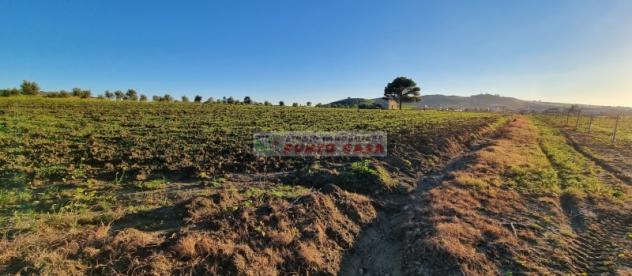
(615, 127)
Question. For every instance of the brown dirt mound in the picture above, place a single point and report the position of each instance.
(231, 232)
(306, 235)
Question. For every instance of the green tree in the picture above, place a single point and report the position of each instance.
(119, 94)
(143, 98)
(230, 100)
(185, 99)
(131, 95)
(197, 99)
(30, 88)
(109, 94)
(247, 100)
(76, 92)
(167, 98)
(309, 103)
(295, 104)
(281, 103)
(9, 92)
(84, 94)
(402, 89)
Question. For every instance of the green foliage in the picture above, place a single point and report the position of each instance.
(119, 94)
(402, 89)
(576, 173)
(84, 94)
(52, 172)
(30, 88)
(61, 138)
(280, 191)
(9, 92)
(533, 180)
(131, 95)
(155, 184)
(363, 176)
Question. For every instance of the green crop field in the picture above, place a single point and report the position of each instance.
(61, 138)
(50, 146)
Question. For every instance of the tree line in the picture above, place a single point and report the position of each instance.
(400, 89)
(31, 88)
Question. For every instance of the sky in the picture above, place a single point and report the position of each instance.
(577, 51)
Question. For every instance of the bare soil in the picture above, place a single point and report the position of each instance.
(381, 247)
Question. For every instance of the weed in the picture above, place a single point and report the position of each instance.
(151, 185)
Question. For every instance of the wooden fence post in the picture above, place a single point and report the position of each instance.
(577, 122)
(614, 132)
(590, 123)
(568, 114)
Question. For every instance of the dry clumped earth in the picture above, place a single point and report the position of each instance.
(215, 237)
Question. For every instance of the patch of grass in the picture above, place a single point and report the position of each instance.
(468, 180)
(288, 191)
(151, 185)
(368, 177)
(534, 180)
(12, 179)
(13, 197)
(52, 172)
(216, 182)
(576, 173)
(281, 191)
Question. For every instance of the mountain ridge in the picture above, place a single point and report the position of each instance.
(490, 102)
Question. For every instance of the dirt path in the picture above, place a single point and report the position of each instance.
(380, 248)
(598, 244)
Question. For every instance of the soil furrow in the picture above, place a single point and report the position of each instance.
(380, 248)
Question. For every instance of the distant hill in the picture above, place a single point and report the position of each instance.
(489, 102)
(352, 101)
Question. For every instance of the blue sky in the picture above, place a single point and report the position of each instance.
(569, 51)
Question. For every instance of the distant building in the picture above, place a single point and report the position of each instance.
(387, 103)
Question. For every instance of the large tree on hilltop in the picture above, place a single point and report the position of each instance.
(402, 89)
